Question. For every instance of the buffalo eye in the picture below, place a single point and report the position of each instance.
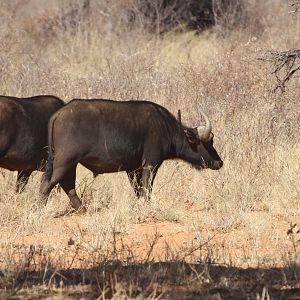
(191, 136)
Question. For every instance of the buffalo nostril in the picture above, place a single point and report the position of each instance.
(220, 164)
(217, 164)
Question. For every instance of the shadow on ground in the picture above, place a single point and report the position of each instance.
(164, 280)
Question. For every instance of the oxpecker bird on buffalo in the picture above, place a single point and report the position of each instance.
(109, 136)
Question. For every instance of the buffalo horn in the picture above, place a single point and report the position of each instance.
(204, 132)
(179, 116)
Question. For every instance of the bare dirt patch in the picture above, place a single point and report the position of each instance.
(152, 259)
(264, 245)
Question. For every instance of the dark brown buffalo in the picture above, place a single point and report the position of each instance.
(23, 133)
(110, 136)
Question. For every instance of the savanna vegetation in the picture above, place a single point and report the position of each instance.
(227, 234)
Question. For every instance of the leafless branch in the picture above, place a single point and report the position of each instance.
(285, 64)
(295, 5)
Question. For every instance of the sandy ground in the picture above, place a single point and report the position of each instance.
(153, 258)
(158, 240)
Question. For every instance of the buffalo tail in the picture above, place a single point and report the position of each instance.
(49, 163)
(49, 166)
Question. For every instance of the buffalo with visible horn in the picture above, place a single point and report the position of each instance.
(110, 136)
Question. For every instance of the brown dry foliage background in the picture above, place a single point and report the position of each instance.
(101, 56)
(60, 49)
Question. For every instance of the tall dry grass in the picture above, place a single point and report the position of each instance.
(256, 131)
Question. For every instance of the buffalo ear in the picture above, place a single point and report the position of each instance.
(179, 116)
(191, 135)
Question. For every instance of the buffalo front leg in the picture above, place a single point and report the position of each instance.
(148, 176)
(22, 180)
(135, 178)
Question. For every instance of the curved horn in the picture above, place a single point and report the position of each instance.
(179, 116)
(204, 132)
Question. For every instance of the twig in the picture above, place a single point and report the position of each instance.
(288, 60)
(296, 7)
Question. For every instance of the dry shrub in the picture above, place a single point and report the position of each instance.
(229, 13)
(256, 131)
(161, 16)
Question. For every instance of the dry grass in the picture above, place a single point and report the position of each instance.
(257, 191)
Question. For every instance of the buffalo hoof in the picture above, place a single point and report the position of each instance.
(81, 210)
(71, 212)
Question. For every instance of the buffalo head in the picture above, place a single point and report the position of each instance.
(200, 140)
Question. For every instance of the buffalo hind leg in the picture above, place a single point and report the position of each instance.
(68, 185)
(22, 180)
(135, 178)
(47, 184)
(44, 189)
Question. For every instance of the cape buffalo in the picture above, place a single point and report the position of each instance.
(23, 133)
(109, 136)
